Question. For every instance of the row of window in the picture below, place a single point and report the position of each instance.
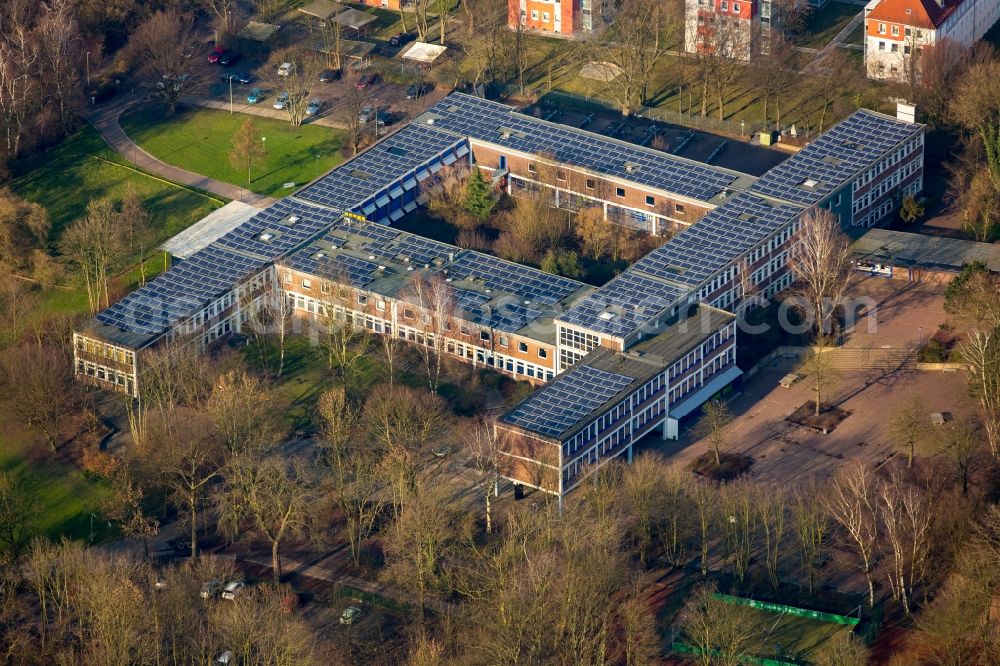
(890, 160)
(104, 374)
(894, 30)
(569, 337)
(96, 348)
(591, 184)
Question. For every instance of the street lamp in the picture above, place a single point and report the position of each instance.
(88, 68)
(376, 118)
(230, 94)
(263, 142)
(742, 126)
(316, 155)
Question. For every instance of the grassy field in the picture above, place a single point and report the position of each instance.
(199, 140)
(64, 496)
(824, 24)
(83, 167)
(797, 637)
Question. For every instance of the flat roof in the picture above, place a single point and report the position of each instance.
(209, 229)
(355, 19)
(604, 377)
(423, 52)
(322, 9)
(485, 290)
(901, 248)
(502, 125)
(257, 31)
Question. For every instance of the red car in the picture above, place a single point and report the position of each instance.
(366, 81)
(216, 53)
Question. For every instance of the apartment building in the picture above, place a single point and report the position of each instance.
(661, 332)
(564, 18)
(896, 31)
(731, 28)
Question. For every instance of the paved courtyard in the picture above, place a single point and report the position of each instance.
(906, 315)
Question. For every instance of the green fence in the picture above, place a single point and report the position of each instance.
(821, 616)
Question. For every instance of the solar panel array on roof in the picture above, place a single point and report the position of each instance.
(562, 403)
(279, 229)
(215, 270)
(180, 292)
(381, 165)
(680, 265)
(622, 305)
(501, 125)
(505, 276)
(834, 157)
(414, 250)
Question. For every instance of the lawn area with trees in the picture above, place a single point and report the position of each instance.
(65, 178)
(198, 140)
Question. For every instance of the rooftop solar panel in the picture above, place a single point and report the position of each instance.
(501, 125)
(571, 397)
(833, 158)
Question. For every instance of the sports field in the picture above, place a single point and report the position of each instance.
(790, 638)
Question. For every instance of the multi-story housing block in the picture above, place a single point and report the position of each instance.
(897, 30)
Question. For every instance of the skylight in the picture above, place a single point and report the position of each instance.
(810, 183)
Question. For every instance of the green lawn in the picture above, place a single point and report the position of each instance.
(83, 167)
(65, 497)
(824, 24)
(199, 140)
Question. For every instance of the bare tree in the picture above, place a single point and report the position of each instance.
(961, 445)
(355, 476)
(596, 234)
(737, 522)
(350, 113)
(240, 408)
(771, 506)
(189, 457)
(18, 514)
(225, 15)
(712, 425)
(403, 422)
(906, 515)
(852, 502)
(724, 633)
(60, 49)
(305, 70)
(981, 350)
(157, 49)
(434, 298)
(19, 85)
(630, 48)
(976, 106)
(489, 462)
(134, 220)
(417, 549)
(95, 244)
(842, 649)
(271, 496)
(676, 524)
(821, 263)
(38, 382)
(818, 366)
(126, 506)
(909, 425)
(704, 495)
(812, 525)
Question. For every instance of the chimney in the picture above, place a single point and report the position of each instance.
(907, 112)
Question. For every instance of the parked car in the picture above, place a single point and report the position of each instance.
(211, 589)
(314, 106)
(366, 81)
(174, 81)
(285, 68)
(216, 54)
(180, 547)
(281, 101)
(328, 75)
(228, 58)
(366, 115)
(400, 38)
(417, 90)
(350, 614)
(237, 77)
(233, 590)
(255, 95)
